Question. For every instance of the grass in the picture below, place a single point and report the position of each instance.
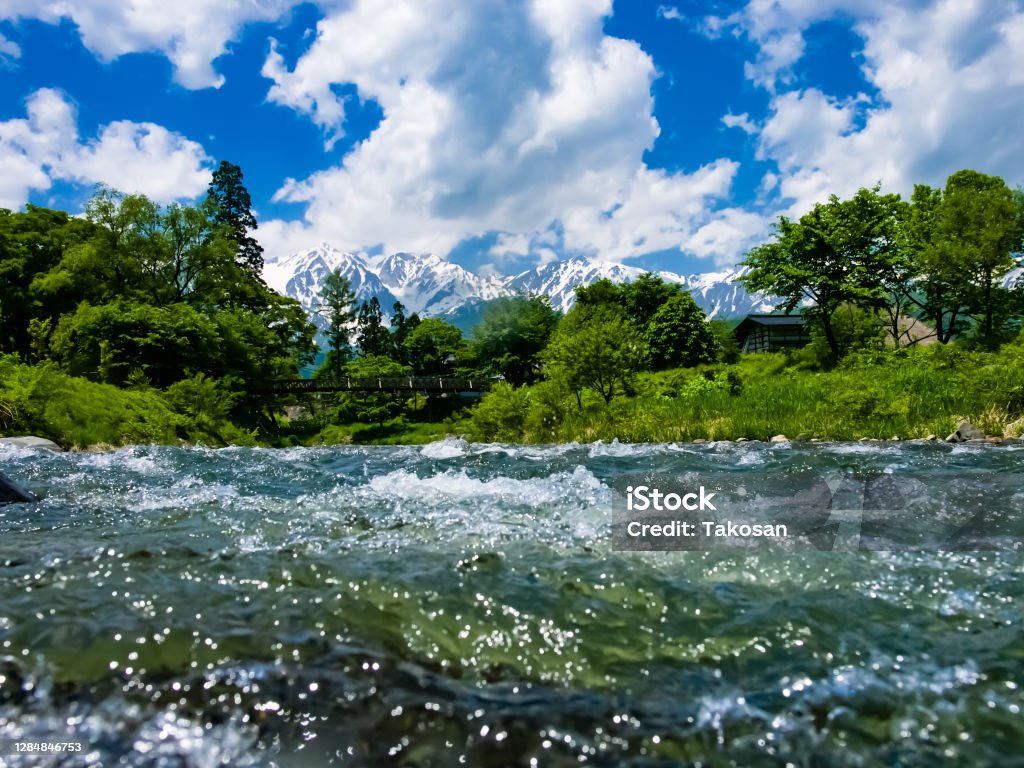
(908, 394)
(74, 412)
(905, 393)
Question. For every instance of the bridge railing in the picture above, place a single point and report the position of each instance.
(381, 384)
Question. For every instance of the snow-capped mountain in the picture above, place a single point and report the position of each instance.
(302, 274)
(432, 286)
(559, 280)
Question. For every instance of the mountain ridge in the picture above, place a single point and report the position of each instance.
(435, 287)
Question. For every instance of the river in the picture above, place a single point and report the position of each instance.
(458, 604)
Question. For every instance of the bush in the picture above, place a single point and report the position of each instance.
(501, 414)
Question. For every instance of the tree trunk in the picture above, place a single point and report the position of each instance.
(830, 335)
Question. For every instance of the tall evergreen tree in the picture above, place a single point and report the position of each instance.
(373, 337)
(401, 326)
(337, 306)
(234, 210)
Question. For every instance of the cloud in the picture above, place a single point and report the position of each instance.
(670, 12)
(133, 157)
(741, 121)
(511, 118)
(9, 51)
(142, 157)
(191, 33)
(948, 78)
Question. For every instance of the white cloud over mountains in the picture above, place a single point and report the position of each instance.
(509, 117)
(45, 146)
(522, 118)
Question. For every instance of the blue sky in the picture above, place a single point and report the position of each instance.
(505, 133)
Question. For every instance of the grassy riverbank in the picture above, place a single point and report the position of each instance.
(908, 393)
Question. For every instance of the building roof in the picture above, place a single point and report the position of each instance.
(773, 319)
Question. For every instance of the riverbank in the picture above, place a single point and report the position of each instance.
(881, 395)
(905, 394)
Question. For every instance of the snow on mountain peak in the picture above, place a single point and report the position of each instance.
(433, 286)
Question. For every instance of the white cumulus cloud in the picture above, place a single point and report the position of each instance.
(191, 33)
(947, 82)
(509, 117)
(134, 157)
(9, 50)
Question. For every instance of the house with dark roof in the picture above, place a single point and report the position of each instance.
(771, 333)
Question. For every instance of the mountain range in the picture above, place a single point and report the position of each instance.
(435, 287)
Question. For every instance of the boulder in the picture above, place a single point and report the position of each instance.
(31, 441)
(779, 439)
(965, 431)
(11, 492)
(296, 412)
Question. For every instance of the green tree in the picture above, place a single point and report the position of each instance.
(401, 326)
(32, 242)
(645, 296)
(107, 343)
(961, 242)
(371, 335)
(501, 413)
(978, 230)
(856, 328)
(512, 334)
(835, 254)
(232, 207)
(595, 347)
(337, 307)
(600, 292)
(372, 407)
(727, 348)
(433, 347)
(145, 254)
(678, 334)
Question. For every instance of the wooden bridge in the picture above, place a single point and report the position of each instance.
(428, 384)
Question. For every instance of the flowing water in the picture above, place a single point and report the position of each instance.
(459, 604)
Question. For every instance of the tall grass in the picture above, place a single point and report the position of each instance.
(905, 393)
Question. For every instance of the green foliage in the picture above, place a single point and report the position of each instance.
(511, 335)
(873, 393)
(977, 229)
(596, 347)
(501, 414)
(836, 254)
(727, 348)
(231, 207)
(374, 407)
(678, 334)
(854, 328)
(337, 305)
(43, 401)
(106, 343)
(401, 326)
(433, 346)
(371, 335)
(644, 297)
(32, 242)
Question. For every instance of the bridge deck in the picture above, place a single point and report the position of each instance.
(382, 384)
